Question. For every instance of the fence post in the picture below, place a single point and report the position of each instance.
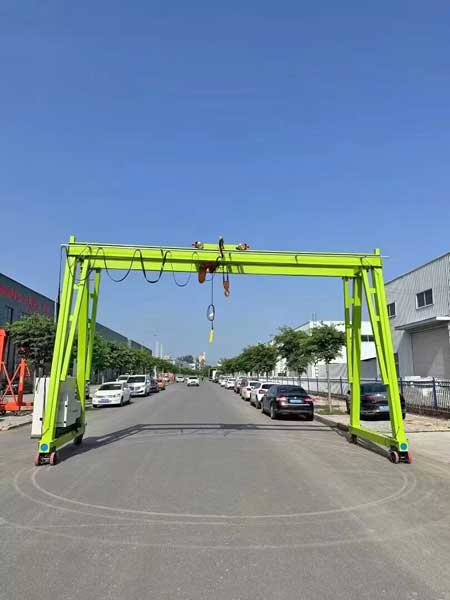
(317, 384)
(435, 403)
(341, 386)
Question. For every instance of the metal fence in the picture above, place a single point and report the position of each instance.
(432, 394)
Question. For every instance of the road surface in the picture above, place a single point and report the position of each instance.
(192, 494)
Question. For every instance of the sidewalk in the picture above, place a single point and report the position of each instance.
(428, 436)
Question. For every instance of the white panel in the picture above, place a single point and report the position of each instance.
(431, 353)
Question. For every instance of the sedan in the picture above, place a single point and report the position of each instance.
(153, 386)
(229, 384)
(192, 381)
(112, 393)
(374, 401)
(258, 393)
(161, 384)
(246, 389)
(288, 400)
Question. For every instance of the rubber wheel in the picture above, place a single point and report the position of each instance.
(121, 401)
(53, 458)
(77, 441)
(394, 457)
(37, 459)
(309, 418)
(273, 412)
(408, 458)
(352, 438)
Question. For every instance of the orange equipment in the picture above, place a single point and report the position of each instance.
(15, 402)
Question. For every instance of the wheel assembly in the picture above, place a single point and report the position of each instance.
(394, 456)
(37, 459)
(53, 460)
(352, 438)
(77, 441)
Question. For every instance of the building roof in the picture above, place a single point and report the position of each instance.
(419, 267)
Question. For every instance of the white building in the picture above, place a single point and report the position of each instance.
(338, 368)
(419, 311)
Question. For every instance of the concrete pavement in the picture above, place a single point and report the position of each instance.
(193, 494)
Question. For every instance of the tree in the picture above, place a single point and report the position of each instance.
(264, 358)
(294, 347)
(186, 359)
(100, 354)
(34, 337)
(325, 344)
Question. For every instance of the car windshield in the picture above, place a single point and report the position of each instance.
(266, 386)
(122, 378)
(373, 388)
(254, 384)
(291, 389)
(136, 379)
(110, 386)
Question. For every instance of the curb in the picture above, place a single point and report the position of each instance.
(331, 423)
(16, 426)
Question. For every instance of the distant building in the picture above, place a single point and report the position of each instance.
(419, 312)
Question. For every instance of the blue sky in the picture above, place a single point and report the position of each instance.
(289, 125)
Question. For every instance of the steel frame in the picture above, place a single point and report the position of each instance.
(362, 274)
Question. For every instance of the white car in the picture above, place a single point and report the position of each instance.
(139, 385)
(229, 384)
(246, 390)
(123, 377)
(179, 379)
(222, 382)
(257, 394)
(112, 393)
(192, 381)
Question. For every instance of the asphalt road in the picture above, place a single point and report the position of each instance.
(192, 494)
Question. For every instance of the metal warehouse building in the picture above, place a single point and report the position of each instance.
(419, 309)
(17, 300)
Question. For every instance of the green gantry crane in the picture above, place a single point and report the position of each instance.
(362, 275)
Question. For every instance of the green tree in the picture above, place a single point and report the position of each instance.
(264, 358)
(34, 337)
(325, 344)
(188, 358)
(294, 347)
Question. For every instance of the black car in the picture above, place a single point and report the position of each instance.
(288, 400)
(154, 387)
(374, 401)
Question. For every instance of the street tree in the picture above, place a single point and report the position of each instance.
(294, 347)
(325, 344)
(34, 337)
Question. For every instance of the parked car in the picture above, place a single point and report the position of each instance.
(179, 378)
(222, 382)
(192, 380)
(153, 386)
(112, 393)
(246, 389)
(139, 385)
(239, 382)
(161, 384)
(229, 384)
(288, 400)
(123, 377)
(374, 401)
(257, 394)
